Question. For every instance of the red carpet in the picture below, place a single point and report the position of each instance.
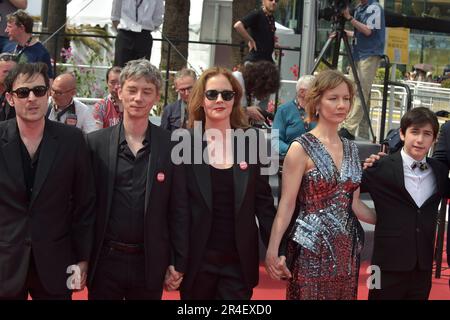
(269, 289)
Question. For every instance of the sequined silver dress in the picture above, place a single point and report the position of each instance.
(327, 238)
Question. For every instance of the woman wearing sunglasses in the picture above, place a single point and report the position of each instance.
(226, 193)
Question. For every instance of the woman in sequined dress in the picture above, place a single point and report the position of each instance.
(322, 172)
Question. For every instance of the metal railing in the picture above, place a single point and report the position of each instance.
(242, 45)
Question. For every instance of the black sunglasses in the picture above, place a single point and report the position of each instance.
(227, 95)
(24, 92)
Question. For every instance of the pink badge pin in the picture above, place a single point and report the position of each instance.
(243, 165)
(160, 177)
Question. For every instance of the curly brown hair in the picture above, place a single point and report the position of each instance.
(261, 79)
(238, 118)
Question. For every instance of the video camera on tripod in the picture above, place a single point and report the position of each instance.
(331, 10)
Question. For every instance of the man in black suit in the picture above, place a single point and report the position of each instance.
(442, 153)
(47, 195)
(406, 188)
(142, 220)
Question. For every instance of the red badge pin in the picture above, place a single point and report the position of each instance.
(243, 165)
(160, 177)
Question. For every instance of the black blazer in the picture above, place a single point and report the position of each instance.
(171, 116)
(442, 153)
(166, 203)
(56, 225)
(252, 198)
(404, 233)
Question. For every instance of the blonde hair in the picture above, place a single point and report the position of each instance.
(325, 80)
(238, 119)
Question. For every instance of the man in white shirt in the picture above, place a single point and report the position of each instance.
(135, 20)
(65, 109)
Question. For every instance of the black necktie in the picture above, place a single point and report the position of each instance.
(419, 164)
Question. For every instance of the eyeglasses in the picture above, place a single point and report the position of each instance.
(184, 89)
(24, 92)
(227, 95)
(60, 93)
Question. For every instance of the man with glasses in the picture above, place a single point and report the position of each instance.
(7, 7)
(47, 202)
(65, 109)
(109, 111)
(175, 115)
(19, 27)
(261, 34)
(7, 63)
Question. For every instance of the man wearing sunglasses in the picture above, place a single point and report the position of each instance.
(261, 34)
(47, 202)
(175, 115)
(7, 63)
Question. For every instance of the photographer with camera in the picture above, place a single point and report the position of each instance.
(368, 47)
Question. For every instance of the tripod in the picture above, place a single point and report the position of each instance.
(338, 28)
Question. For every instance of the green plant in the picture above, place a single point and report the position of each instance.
(90, 82)
(446, 83)
(379, 78)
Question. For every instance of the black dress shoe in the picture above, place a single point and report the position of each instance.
(345, 134)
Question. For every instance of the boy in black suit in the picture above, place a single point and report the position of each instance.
(406, 188)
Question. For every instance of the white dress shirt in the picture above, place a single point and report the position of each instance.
(85, 117)
(149, 14)
(420, 184)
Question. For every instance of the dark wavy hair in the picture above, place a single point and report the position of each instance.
(261, 78)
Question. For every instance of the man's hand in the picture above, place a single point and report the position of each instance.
(172, 279)
(372, 159)
(252, 45)
(346, 13)
(83, 265)
(254, 113)
(276, 267)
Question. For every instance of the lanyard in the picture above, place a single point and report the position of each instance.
(17, 54)
(138, 4)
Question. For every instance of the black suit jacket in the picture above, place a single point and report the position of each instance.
(442, 153)
(252, 199)
(404, 233)
(56, 225)
(166, 203)
(171, 116)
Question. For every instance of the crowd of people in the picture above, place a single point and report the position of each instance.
(99, 191)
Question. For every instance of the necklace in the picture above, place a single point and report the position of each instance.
(27, 44)
(270, 20)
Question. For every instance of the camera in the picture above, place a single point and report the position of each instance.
(331, 10)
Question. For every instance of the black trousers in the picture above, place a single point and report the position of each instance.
(220, 278)
(121, 276)
(132, 45)
(403, 285)
(34, 287)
